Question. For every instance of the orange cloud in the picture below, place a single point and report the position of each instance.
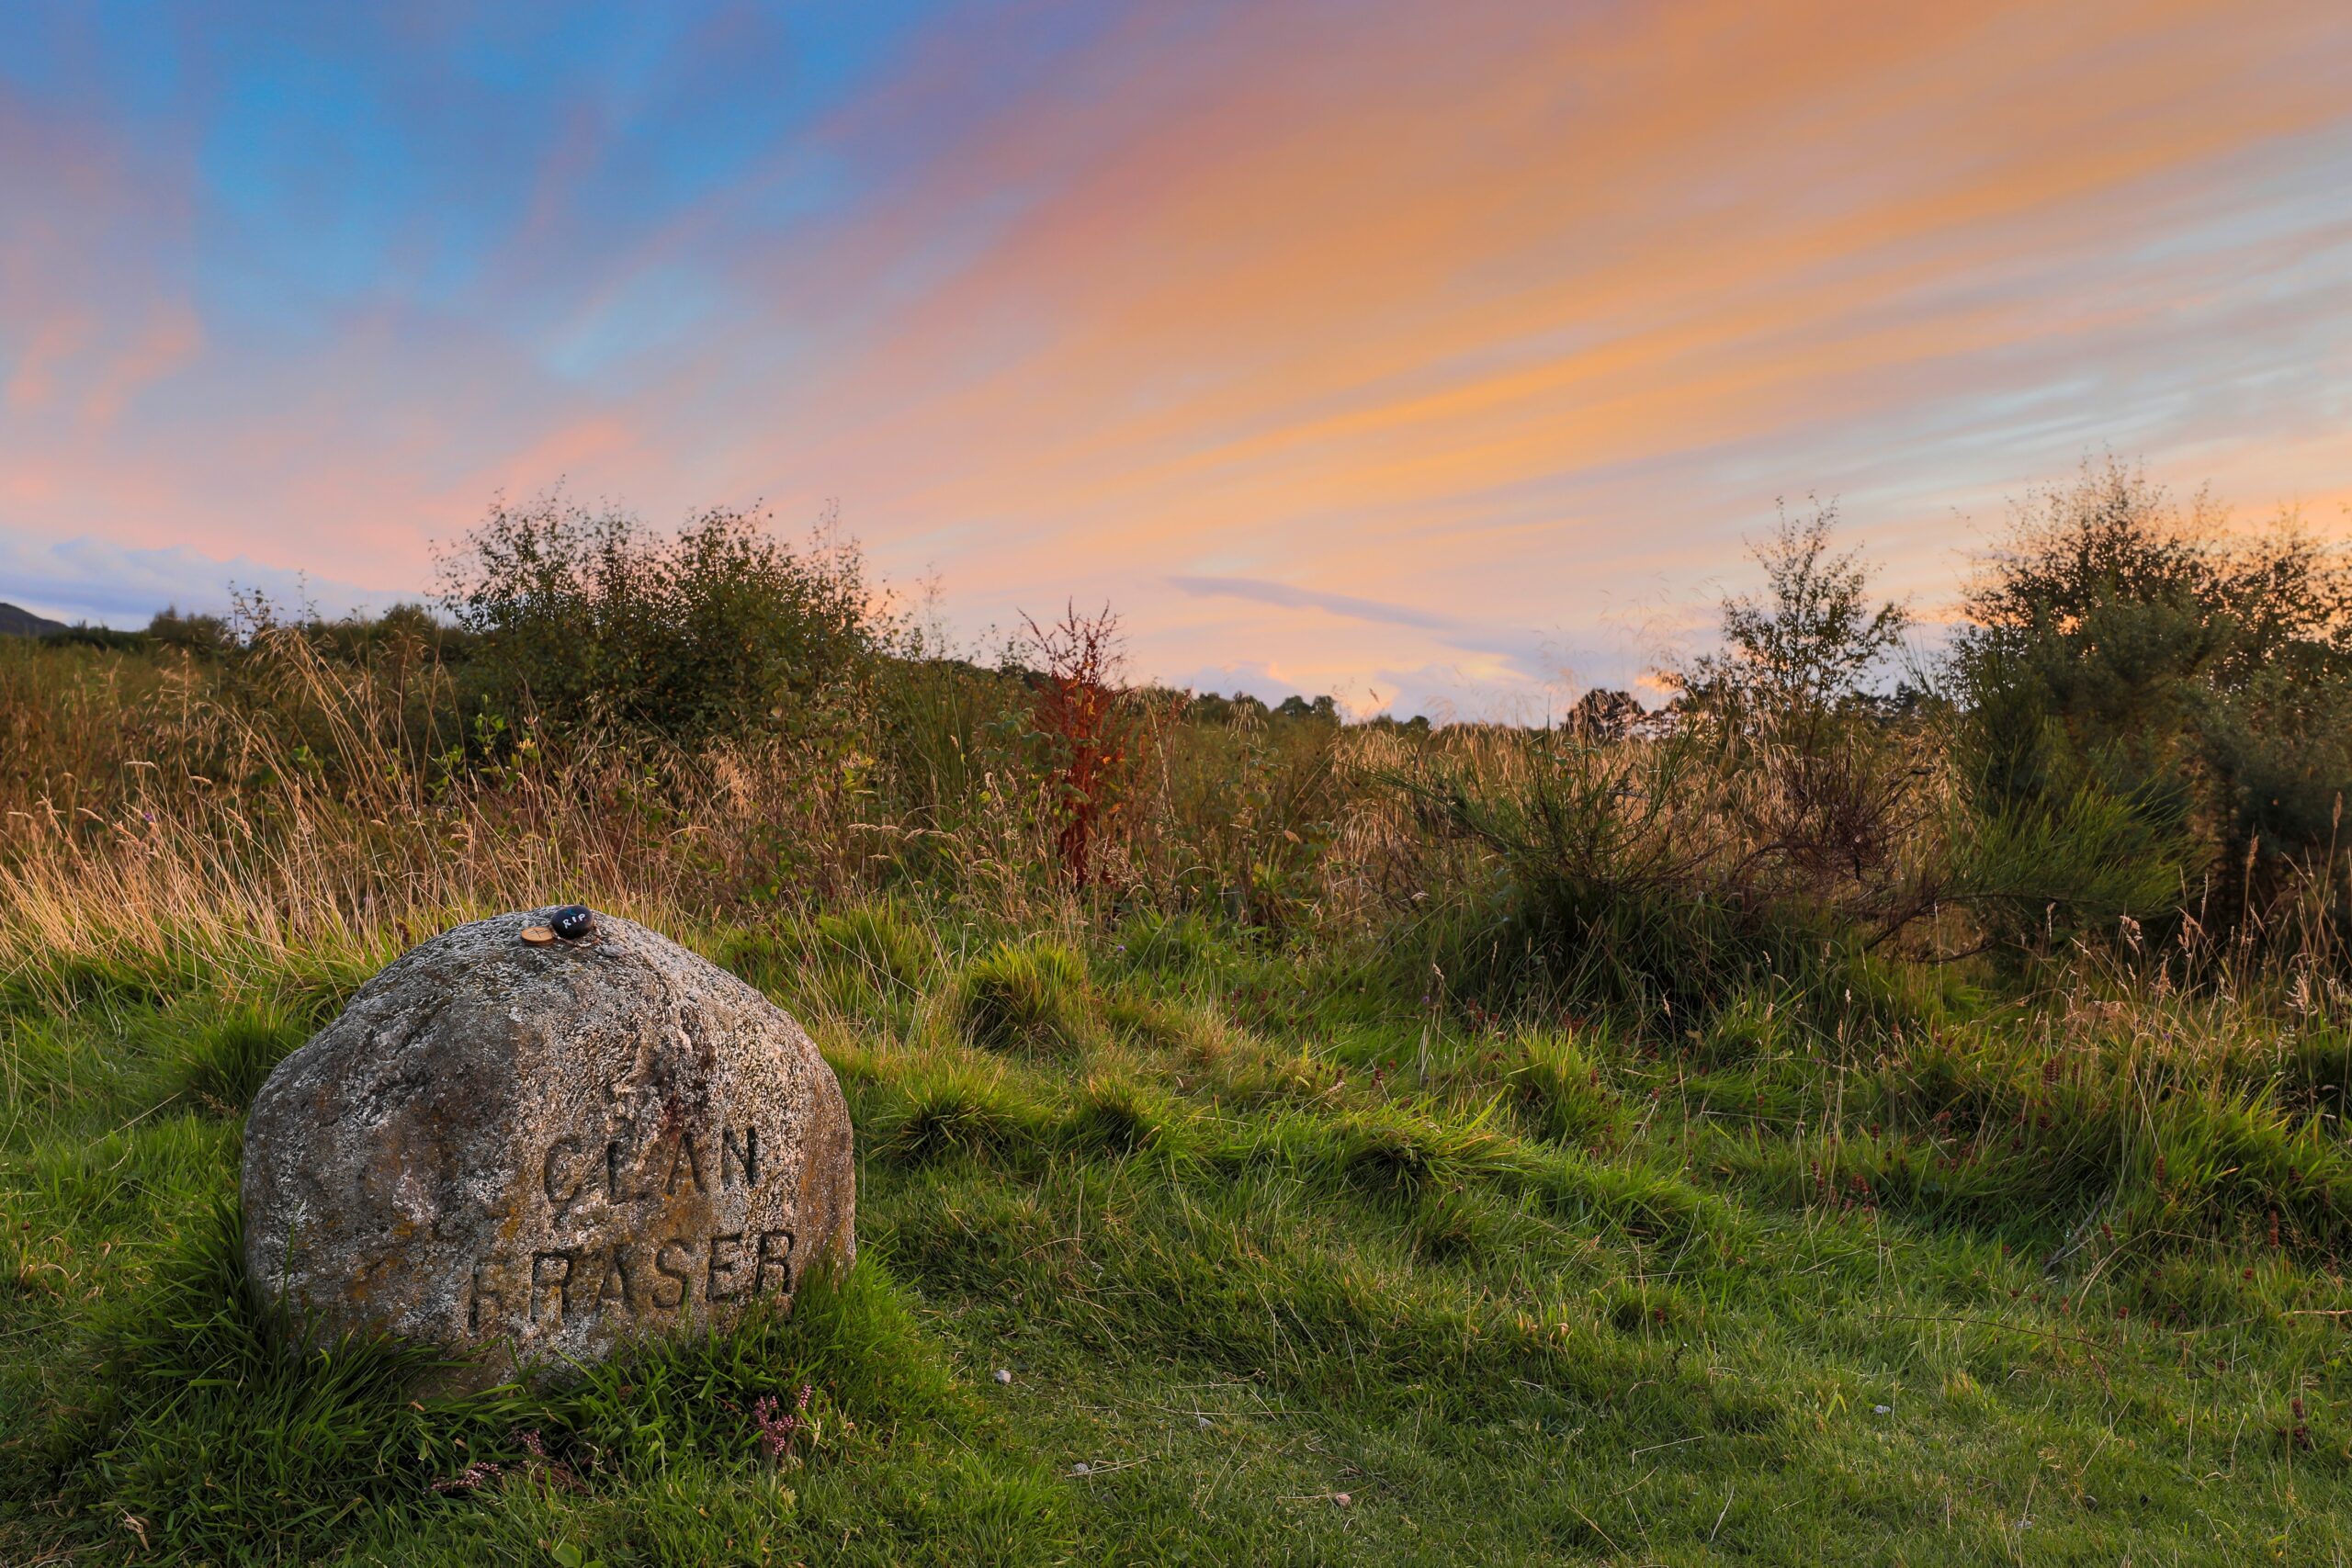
(1340, 289)
(1511, 316)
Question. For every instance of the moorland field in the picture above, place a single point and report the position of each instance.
(1839, 1119)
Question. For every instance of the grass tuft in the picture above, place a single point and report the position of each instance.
(953, 1113)
(225, 1062)
(1029, 997)
(887, 951)
(1561, 1092)
(1117, 1116)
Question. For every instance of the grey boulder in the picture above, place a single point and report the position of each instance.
(533, 1152)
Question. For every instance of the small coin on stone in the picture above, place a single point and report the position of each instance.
(571, 921)
(538, 936)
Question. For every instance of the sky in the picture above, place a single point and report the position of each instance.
(1438, 356)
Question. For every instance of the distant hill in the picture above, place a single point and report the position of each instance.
(15, 622)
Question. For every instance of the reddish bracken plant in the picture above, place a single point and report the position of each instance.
(1095, 736)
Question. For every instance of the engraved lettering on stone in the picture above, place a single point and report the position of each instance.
(724, 1259)
(571, 1144)
(669, 1270)
(614, 1157)
(485, 1304)
(780, 1260)
(683, 1156)
(743, 1156)
(614, 1286)
(558, 1155)
(546, 1276)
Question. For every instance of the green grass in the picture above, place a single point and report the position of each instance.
(1254, 1231)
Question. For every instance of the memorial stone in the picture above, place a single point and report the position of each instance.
(531, 1149)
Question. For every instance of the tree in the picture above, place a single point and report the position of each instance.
(1603, 714)
(1807, 642)
(1326, 709)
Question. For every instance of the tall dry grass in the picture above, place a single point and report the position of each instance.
(294, 796)
(150, 810)
(1768, 911)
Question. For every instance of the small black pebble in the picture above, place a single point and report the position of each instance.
(571, 921)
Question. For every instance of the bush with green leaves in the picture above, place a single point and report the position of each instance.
(2144, 687)
(593, 619)
(1778, 823)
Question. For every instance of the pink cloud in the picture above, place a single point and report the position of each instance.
(1512, 319)
(169, 340)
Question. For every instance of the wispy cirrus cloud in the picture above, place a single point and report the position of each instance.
(1499, 327)
(1343, 604)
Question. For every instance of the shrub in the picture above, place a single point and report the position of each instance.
(1653, 874)
(2176, 693)
(199, 634)
(1778, 824)
(590, 618)
(2039, 869)
(1094, 734)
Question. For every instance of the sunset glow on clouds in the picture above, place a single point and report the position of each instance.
(1425, 354)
